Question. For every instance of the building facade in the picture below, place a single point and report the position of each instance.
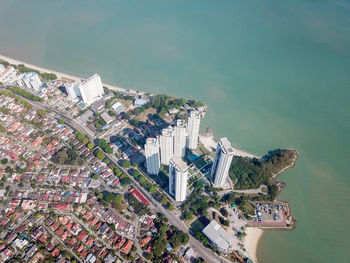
(91, 89)
(178, 173)
(152, 156)
(222, 162)
(180, 138)
(31, 80)
(166, 142)
(194, 120)
(72, 89)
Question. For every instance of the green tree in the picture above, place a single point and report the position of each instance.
(100, 154)
(126, 164)
(152, 189)
(91, 145)
(41, 113)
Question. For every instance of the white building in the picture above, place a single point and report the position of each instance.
(178, 173)
(180, 138)
(166, 142)
(222, 162)
(218, 236)
(88, 90)
(2, 68)
(91, 89)
(31, 80)
(8, 74)
(194, 120)
(73, 91)
(152, 156)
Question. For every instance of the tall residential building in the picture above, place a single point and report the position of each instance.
(152, 156)
(72, 89)
(2, 68)
(166, 142)
(180, 138)
(178, 173)
(222, 162)
(31, 80)
(91, 89)
(194, 120)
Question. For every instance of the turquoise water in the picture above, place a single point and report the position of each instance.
(273, 73)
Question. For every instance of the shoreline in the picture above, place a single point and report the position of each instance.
(210, 142)
(296, 156)
(253, 234)
(251, 242)
(62, 76)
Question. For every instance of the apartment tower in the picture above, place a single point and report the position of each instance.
(152, 156)
(194, 120)
(222, 162)
(180, 138)
(178, 173)
(166, 142)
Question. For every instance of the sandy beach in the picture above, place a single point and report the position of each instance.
(210, 143)
(62, 76)
(251, 241)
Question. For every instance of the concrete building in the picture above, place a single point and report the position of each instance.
(222, 162)
(194, 120)
(178, 173)
(218, 236)
(8, 75)
(2, 68)
(91, 89)
(166, 142)
(105, 116)
(73, 91)
(180, 138)
(31, 80)
(152, 156)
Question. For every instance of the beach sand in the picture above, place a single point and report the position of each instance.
(251, 241)
(210, 143)
(63, 76)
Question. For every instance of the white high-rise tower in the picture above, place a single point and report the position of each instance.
(91, 89)
(72, 89)
(194, 120)
(152, 156)
(222, 162)
(31, 80)
(87, 90)
(166, 142)
(180, 138)
(178, 173)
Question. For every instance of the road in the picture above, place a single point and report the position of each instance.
(61, 242)
(197, 246)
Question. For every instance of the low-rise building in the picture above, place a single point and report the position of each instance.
(218, 236)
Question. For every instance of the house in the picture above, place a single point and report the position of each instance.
(82, 236)
(127, 247)
(145, 241)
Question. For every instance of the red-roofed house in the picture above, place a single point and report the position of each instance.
(139, 196)
(127, 247)
(82, 236)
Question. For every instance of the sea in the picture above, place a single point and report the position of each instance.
(274, 74)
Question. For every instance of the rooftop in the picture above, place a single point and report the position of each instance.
(226, 146)
(218, 235)
(178, 163)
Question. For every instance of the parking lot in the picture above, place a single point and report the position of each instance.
(269, 213)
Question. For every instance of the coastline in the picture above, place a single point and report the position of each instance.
(251, 242)
(253, 234)
(61, 75)
(210, 142)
